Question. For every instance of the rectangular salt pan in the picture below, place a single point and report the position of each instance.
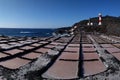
(14, 63)
(32, 55)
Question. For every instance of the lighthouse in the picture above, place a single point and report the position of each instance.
(100, 19)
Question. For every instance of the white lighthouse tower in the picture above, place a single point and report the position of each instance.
(100, 19)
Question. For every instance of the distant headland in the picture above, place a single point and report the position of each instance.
(110, 25)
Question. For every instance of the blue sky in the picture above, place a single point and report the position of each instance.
(52, 13)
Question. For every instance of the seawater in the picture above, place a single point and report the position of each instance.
(26, 32)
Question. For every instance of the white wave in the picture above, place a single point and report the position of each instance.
(25, 32)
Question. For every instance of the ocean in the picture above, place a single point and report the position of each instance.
(26, 32)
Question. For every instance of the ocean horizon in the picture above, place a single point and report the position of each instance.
(27, 32)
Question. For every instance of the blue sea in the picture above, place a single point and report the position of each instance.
(26, 32)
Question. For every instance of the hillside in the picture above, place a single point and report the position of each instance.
(110, 25)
